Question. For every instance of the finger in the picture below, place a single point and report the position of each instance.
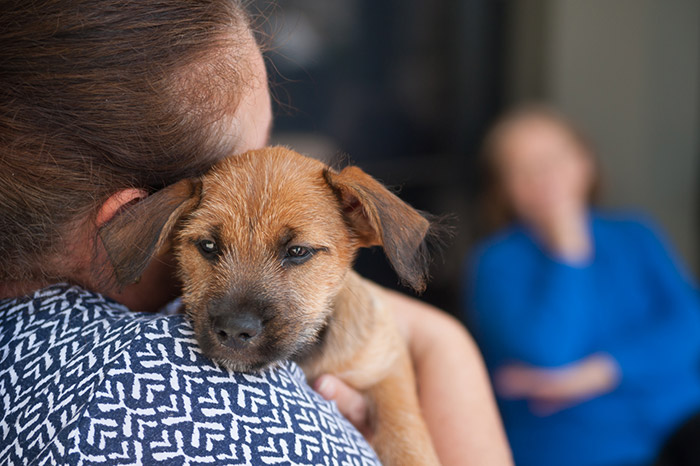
(555, 397)
(351, 403)
(545, 408)
(565, 386)
(516, 381)
(556, 391)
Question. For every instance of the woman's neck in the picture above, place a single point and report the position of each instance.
(567, 235)
(18, 289)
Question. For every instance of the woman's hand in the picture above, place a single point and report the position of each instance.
(453, 388)
(566, 233)
(351, 403)
(549, 390)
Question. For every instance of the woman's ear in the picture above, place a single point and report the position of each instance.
(378, 217)
(116, 202)
(135, 234)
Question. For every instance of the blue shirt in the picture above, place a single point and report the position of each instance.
(83, 380)
(630, 300)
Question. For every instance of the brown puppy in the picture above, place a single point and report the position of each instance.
(265, 243)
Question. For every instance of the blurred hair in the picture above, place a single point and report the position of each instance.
(101, 95)
(495, 210)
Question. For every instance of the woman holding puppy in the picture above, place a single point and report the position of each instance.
(589, 325)
(102, 103)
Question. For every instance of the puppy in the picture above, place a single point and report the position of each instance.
(265, 243)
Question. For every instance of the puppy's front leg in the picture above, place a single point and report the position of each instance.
(363, 346)
(401, 436)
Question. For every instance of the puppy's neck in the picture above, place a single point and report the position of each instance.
(348, 325)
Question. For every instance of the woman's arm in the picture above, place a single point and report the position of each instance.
(453, 387)
(549, 390)
(667, 339)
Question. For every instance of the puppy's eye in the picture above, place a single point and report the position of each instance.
(298, 255)
(208, 248)
(297, 251)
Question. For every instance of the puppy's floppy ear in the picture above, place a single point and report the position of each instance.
(135, 235)
(380, 218)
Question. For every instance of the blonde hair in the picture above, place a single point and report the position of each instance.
(495, 210)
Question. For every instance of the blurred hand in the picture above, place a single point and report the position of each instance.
(351, 403)
(550, 390)
(566, 233)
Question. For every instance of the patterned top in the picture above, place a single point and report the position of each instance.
(83, 380)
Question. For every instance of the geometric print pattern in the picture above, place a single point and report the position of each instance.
(83, 380)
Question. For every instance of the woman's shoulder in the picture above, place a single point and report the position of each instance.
(626, 225)
(83, 377)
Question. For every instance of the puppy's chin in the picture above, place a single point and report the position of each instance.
(271, 347)
(255, 358)
(247, 367)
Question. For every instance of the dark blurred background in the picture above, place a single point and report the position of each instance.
(407, 88)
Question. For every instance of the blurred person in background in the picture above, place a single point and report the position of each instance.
(589, 325)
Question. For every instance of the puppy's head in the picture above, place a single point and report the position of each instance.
(263, 242)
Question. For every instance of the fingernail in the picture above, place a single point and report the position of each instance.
(324, 386)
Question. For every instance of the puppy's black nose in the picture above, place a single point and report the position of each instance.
(236, 331)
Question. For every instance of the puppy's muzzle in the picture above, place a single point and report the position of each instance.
(238, 330)
(238, 321)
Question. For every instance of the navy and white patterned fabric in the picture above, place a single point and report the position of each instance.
(85, 381)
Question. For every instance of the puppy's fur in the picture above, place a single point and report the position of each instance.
(265, 243)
